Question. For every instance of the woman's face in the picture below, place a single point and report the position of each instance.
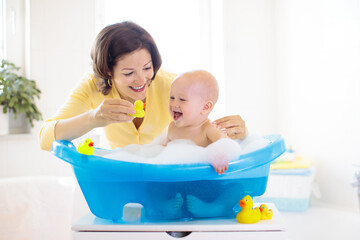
(132, 74)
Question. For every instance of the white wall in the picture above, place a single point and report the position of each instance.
(249, 53)
(292, 67)
(317, 67)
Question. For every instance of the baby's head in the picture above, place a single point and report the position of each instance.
(192, 97)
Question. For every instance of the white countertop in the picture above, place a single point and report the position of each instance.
(317, 222)
(91, 223)
(323, 222)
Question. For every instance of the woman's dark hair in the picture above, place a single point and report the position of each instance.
(113, 42)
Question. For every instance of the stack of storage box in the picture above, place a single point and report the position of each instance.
(290, 182)
(356, 183)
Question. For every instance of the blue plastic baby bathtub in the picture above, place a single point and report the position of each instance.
(173, 191)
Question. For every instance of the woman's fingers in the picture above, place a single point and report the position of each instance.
(233, 125)
(119, 109)
(118, 102)
(119, 106)
(119, 117)
(115, 111)
(230, 121)
(236, 132)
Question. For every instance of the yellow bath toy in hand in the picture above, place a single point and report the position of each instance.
(87, 147)
(265, 212)
(247, 213)
(139, 107)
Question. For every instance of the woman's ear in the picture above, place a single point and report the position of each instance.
(207, 107)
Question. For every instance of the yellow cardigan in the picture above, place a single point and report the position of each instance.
(85, 96)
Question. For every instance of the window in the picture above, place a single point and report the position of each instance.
(2, 29)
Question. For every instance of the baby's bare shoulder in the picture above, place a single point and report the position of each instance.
(208, 126)
(214, 133)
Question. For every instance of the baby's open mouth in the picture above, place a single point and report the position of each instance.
(177, 115)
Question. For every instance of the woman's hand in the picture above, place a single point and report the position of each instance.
(234, 126)
(113, 111)
(109, 111)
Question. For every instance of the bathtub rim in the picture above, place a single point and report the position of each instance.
(132, 171)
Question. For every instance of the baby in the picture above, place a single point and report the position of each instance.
(193, 95)
(192, 98)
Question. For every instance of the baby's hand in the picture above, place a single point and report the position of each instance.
(220, 164)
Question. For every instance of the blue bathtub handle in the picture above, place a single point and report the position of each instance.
(66, 151)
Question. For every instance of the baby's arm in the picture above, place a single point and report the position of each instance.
(213, 133)
(219, 160)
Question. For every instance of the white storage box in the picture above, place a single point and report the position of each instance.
(289, 190)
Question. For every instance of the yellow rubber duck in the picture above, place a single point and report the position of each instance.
(87, 147)
(265, 212)
(247, 213)
(139, 108)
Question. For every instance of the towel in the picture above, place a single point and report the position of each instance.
(300, 162)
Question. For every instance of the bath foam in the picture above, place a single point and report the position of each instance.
(183, 151)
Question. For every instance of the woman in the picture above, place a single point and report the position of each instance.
(126, 66)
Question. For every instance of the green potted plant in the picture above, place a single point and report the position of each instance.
(17, 93)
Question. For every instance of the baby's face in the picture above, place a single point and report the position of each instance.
(186, 102)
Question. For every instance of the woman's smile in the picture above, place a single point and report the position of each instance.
(138, 89)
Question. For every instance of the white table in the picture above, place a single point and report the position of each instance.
(92, 228)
